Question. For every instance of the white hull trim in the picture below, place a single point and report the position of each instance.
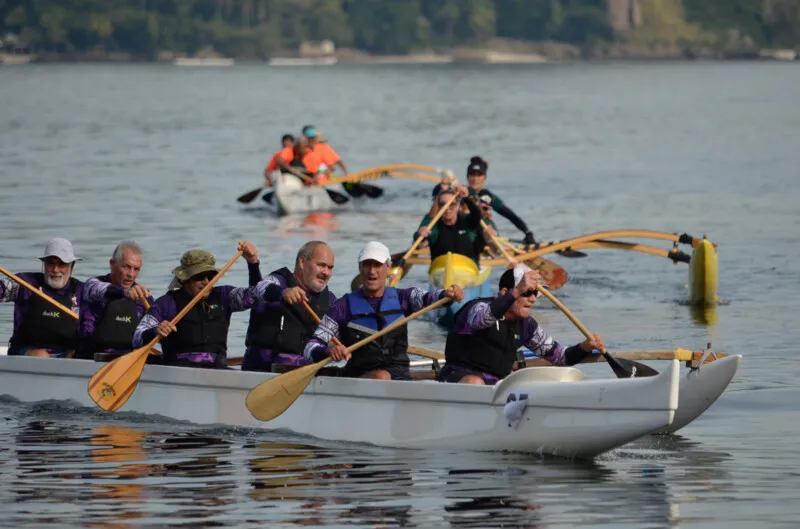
(568, 417)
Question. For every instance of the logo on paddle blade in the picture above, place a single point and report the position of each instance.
(108, 391)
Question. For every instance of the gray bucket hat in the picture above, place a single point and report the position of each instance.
(195, 262)
(60, 248)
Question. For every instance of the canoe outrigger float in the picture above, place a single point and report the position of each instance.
(703, 265)
(548, 410)
(456, 269)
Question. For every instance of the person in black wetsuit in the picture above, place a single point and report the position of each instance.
(454, 232)
(476, 176)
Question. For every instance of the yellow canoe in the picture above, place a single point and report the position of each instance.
(455, 269)
(703, 275)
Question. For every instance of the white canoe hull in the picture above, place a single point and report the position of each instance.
(293, 197)
(572, 418)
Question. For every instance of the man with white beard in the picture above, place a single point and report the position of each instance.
(40, 328)
(279, 324)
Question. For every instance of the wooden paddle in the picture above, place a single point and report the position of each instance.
(272, 397)
(114, 383)
(622, 368)
(249, 196)
(335, 196)
(397, 272)
(38, 292)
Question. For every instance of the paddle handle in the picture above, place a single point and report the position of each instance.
(300, 175)
(574, 319)
(38, 292)
(444, 301)
(206, 289)
(316, 318)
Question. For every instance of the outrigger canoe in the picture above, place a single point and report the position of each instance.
(547, 410)
(293, 197)
(456, 269)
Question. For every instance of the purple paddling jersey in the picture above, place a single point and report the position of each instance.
(269, 293)
(482, 315)
(411, 300)
(232, 299)
(11, 291)
(97, 293)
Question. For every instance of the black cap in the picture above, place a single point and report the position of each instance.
(507, 279)
(477, 165)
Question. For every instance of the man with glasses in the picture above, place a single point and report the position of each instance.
(40, 328)
(487, 333)
(201, 338)
(454, 232)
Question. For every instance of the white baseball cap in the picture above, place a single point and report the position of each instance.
(60, 248)
(375, 251)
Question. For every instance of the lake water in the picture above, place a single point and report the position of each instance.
(101, 153)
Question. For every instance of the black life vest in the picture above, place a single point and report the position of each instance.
(114, 329)
(285, 328)
(46, 326)
(203, 329)
(387, 351)
(457, 238)
(492, 350)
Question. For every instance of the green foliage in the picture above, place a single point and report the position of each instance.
(258, 27)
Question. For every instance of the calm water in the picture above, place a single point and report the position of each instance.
(159, 154)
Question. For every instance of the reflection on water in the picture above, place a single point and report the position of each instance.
(704, 315)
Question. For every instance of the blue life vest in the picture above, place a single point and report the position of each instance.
(387, 351)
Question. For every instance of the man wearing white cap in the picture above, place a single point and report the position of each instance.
(482, 347)
(40, 328)
(366, 311)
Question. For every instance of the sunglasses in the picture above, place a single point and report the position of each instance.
(205, 275)
(443, 204)
(529, 293)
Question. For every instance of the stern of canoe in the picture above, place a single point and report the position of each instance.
(703, 275)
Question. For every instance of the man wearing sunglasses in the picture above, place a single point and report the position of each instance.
(482, 347)
(201, 338)
(41, 329)
(454, 232)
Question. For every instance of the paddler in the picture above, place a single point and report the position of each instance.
(367, 310)
(302, 159)
(113, 304)
(327, 156)
(40, 328)
(476, 177)
(487, 333)
(279, 324)
(287, 142)
(454, 232)
(201, 338)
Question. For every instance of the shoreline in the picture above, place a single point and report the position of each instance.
(550, 53)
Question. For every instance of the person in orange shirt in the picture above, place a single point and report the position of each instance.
(325, 152)
(301, 158)
(286, 142)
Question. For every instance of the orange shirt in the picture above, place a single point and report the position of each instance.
(326, 154)
(310, 159)
(273, 163)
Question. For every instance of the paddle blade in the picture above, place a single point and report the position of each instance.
(572, 253)
(371, 191)
(114, 383)
(268, 197)
(553, 275)
(249, 196)
(628, 368)
(274, 396)
(354, 190)
(337, 197)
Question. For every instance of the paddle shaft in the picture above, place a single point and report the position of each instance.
(316, 318)
(38, 292)
(200, 295)
(498, 242)
(568, 314)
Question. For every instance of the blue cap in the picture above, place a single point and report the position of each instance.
(310, 132)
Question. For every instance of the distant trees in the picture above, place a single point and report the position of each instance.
(258, 27)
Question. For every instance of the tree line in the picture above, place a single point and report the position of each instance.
(257, 28)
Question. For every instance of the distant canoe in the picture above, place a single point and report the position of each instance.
(203, 61)
(302, 61)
